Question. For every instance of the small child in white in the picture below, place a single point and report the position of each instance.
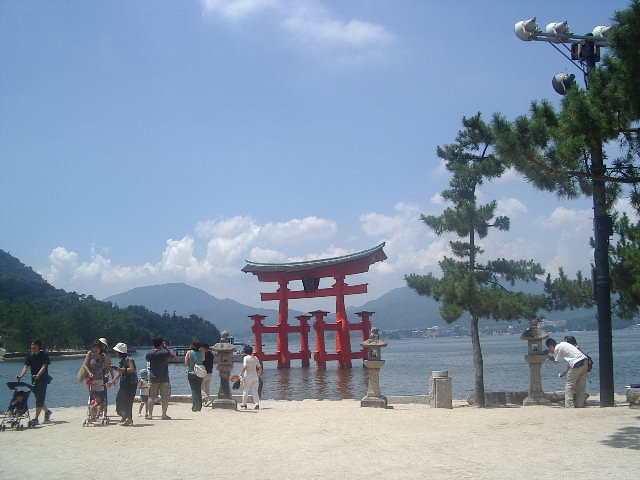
(143, 385)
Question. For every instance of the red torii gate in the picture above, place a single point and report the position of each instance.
(310, 274)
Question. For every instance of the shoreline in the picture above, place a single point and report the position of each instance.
(337, 439)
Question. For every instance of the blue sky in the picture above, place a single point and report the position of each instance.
(167, 141)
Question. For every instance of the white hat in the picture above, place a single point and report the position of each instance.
(121, 347)
(104, 341)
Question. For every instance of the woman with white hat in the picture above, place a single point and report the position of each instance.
(128, 383)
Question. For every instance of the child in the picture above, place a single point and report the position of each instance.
(17, 406)
(143, 385)
(95, 407)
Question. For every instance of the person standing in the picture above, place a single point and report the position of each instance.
(251, 370)
(38, 361)
(143, 385)
(577, 377)
(128, 382)
(159, 385)
(191, 359)
(207, 361)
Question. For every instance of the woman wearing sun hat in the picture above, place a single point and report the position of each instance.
(128, 383)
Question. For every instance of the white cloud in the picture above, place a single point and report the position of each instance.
(238, 9)
(564, 240)
(311, 25)
(559, 239)
(299, 230)
(623, 205)
(311, 22)
(510, 175)
(563, 217)
(510, 207)
(437, 199)
(228, 243)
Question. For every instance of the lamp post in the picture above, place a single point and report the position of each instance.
(586, 50)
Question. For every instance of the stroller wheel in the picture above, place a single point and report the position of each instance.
(3, 428)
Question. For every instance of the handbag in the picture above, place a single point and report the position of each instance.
(82, 374)
(236, 385)
(199, 370)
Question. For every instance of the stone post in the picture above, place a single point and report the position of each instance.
(374, 363)
(440, 395)
(535, 358)
(225, 350)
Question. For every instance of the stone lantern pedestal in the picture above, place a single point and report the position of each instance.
(224, 348)
(374, 363)
(535, 358)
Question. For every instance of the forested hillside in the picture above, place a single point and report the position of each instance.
(30, 308)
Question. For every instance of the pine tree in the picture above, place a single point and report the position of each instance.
(466, 285)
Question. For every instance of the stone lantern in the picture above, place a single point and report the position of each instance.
(535, 358)
(224, 349)
(374, 363)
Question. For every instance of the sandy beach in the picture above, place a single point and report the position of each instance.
(335, 440)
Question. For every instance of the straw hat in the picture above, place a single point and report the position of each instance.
(103, 341)
(121, 347)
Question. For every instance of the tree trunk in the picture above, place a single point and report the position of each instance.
(475, 334)
(477, 362)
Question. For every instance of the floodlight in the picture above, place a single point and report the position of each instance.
(601, 32)
(562, 82)
(525, 29)
(560, 29)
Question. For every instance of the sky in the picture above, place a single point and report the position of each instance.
(153, 141)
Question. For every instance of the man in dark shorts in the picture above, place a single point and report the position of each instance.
(39, 362)
(159, 385)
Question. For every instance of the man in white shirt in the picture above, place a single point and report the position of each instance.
(577, 376)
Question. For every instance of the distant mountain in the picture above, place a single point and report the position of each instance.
(186, 300)
(20, 281)
(31, 308)
(401, 308)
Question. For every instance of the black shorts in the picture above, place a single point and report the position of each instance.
(40, 392)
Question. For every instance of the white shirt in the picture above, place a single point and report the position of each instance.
(250, 363)
(569, 353)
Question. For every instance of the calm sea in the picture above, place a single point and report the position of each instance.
(408, 366)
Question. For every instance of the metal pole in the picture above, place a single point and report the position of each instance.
(602, 230)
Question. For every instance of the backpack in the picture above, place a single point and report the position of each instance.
(589, 363)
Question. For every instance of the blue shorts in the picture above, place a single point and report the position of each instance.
(144, 398)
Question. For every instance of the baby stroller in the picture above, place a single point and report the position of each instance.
(96, 405)
(18, 408)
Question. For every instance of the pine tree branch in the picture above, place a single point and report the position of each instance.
(577, 173)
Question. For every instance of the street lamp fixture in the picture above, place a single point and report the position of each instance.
(585, 50)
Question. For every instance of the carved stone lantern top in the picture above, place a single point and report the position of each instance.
(224, 345)
(374, 340)
(533, 333)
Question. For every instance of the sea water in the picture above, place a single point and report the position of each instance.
(408, 366)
